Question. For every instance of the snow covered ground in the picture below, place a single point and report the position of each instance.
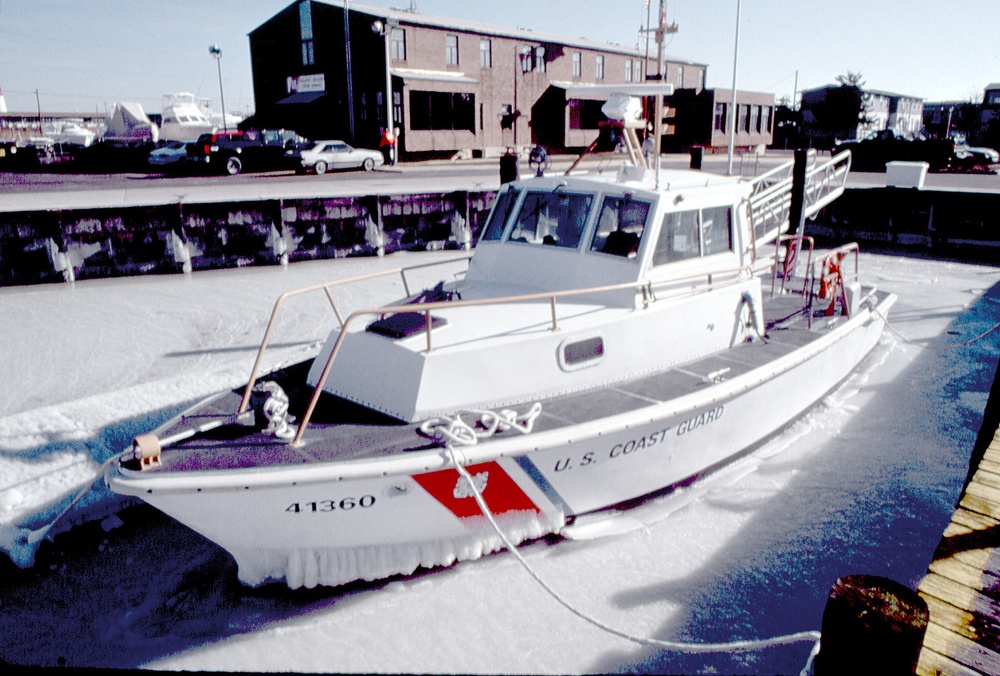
(864, 483)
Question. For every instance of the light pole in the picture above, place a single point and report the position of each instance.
(384, 28)
(732, 112)
(216, 51)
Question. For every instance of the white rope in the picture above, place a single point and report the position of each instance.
(921, 345)
(31, 537)
(457, 432)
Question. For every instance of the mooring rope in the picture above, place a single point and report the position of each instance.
(456, 432)
(31, 537)
(927, 347)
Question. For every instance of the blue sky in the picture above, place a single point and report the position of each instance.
(84, 55)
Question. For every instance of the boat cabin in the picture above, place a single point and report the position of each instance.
(561, 233)
(575, 284)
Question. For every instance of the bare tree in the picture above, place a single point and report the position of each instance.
(852, 79)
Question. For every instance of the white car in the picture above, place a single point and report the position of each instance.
(325, 155)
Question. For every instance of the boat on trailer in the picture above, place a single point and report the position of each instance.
(613, 336)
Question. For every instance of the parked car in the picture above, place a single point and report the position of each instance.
(250, 150)
(969, 158)
(872, 153)
(325, 155)
(171, 155)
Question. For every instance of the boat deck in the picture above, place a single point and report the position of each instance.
(342, 430)
(962, 585)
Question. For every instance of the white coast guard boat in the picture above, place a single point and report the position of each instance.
(613, 336)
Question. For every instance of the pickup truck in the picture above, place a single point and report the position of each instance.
(251, 150)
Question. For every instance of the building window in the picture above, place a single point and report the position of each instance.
(485, 53)
(540, 59)
(525, 59)
(720, 116)
(398, 44)
(305, 21)
(743, 121)
(397, 107)
(701, 79)
(765, 119)
(637, 71)
(680, 76)
(442, 110)
(755, 119)
(451, 50)
(586, 114)
(577, 64)
(600, 67)
(306, 33)
(628, 70)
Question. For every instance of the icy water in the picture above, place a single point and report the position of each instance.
(863, 483)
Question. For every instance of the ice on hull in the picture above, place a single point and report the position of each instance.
(308, 567)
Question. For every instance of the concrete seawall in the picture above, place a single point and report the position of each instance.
(69, 244)
(66, 243)
(949, 223)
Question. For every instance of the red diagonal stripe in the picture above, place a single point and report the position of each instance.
(501, 494)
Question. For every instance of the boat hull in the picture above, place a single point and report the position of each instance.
(337, 522)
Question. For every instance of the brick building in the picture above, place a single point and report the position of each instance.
(701, 118)
(827, 114)
(455, 85)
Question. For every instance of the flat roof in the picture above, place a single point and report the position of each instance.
(481, 28)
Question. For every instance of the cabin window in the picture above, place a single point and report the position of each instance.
(499, 216)
(620, 226)
(694, 233)
(553, 218)
(581, 353)
(716, 233)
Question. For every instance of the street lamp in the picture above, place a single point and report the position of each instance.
(384, 28)
(216, 51)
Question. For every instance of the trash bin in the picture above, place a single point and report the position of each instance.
(508, 168)
(697, 152)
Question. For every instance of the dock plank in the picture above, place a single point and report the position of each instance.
(965, 598)
(969, 574)
(969, 625)
(933, 663)
(962, 585)
(962, 650)
(982, 499)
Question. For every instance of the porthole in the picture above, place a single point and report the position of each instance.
(578, 353)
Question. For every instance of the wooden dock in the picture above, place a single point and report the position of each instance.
(962, 586)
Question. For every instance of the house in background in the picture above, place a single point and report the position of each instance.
(845, 113)
(700, 118)
(448, 85)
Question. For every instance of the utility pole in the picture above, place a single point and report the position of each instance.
(350, 78)
(661, 31)
(732, 112)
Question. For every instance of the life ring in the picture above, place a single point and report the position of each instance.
(829, 278)
(831, 281)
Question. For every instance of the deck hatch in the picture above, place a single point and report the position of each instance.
(403, 324)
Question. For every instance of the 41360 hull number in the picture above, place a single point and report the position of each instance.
(344, 505)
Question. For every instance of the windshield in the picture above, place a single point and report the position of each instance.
(498, 218)
(552, 218)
